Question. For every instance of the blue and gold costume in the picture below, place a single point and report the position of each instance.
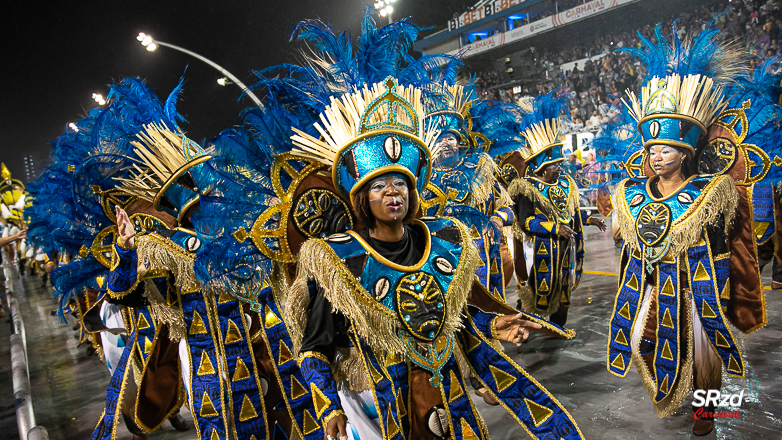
(550, 264)
(75, 210)
(369, 321)
(224, 387)
(467, 179)
(689, 265)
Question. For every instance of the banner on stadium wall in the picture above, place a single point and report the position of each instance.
(566, 17)
(481, 13)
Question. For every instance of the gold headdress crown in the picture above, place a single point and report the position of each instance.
(544, 145)
(671, 107)
(369, 132)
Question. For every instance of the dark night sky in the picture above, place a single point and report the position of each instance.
(57, 54)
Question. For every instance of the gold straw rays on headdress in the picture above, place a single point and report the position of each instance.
(163, 155)
(540, 136)
(344, 120)
(695, 96)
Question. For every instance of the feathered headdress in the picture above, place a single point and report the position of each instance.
(169, 166)
(544, 144)
(684, 89)
(371, 132)
(449, 112)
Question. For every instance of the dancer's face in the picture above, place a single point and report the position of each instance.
(551, 173)
(448, 146)
(665, 160)
(389, 198)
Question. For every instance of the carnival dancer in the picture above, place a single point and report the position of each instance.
(374, 315)
(159, 290)
(218, 365)
(12, 204)
(74, 211)
(688, 264)
(463, 177)
(549, 223)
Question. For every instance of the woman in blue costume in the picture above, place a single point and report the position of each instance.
(688, 275)
(375, 316)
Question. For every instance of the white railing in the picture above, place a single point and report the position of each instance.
(20, 373)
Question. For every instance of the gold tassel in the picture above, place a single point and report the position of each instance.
(162, 253)
(162, 313)
(349, 371)
(482, 184)
(524, 187)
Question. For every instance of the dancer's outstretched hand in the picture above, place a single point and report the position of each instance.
(125, 231)
(337, 428)
(513, 328)
(597, 222)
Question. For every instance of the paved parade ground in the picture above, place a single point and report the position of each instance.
(68, 386)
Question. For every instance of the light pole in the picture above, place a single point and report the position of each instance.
(152, 44)
(385, 9)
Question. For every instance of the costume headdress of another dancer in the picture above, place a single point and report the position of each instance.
(676, 110)
(371, 132)
(684, 91)
(463, 174)
(13, 195)
(448, 111)
(170, 170)
(544, 144)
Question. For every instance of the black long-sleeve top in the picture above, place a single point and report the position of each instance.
(326, 328)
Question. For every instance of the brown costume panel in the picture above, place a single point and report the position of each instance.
(161, 391)
(423, 397)
(520, 262)
(746, 306)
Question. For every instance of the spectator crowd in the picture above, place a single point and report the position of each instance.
(597, 84)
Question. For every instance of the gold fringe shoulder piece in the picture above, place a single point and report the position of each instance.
(503, 198)
(482, 184)
(159, 253)
(718, 198)
(625, 220)
(523, 187)
(371, 321)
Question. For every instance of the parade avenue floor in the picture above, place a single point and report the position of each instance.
(68, 387)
